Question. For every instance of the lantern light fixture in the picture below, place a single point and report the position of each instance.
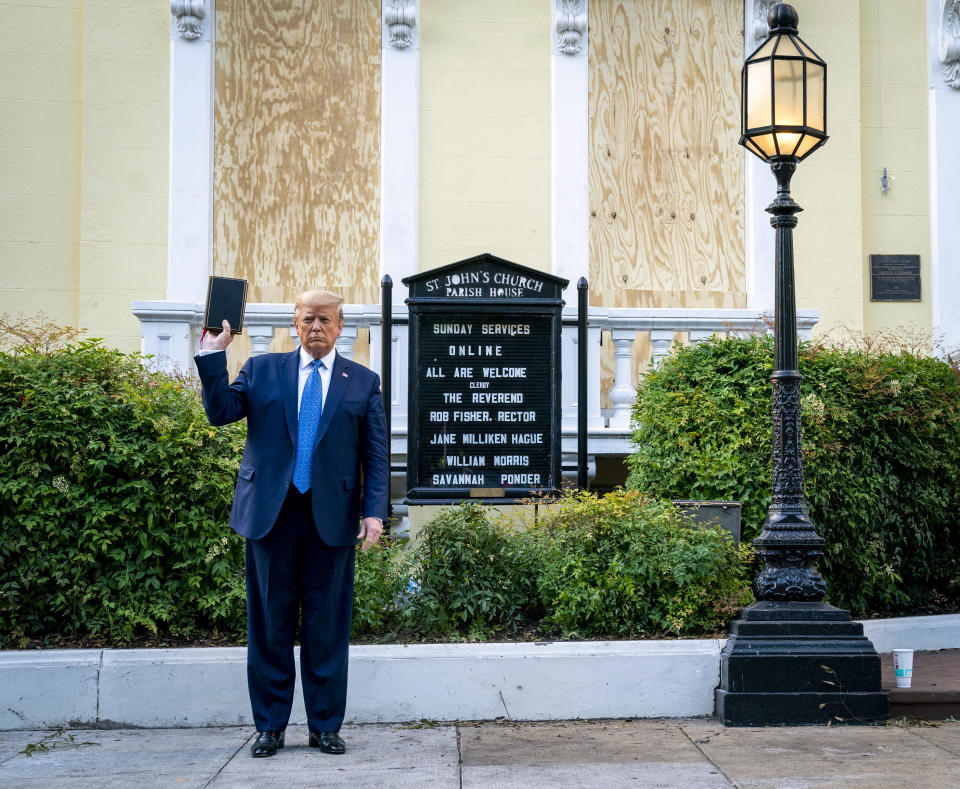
(784, 93)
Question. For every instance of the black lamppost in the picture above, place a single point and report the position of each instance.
(791, 658)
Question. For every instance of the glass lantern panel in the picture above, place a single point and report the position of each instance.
(788, 48)
(750, 145)
(787, 142)
(764, 142)
(816, 83)
(788, 92)
(805, 146)
(806, 50)
(759, 112)
(766, 48)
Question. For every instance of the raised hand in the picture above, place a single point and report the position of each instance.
(220, 341)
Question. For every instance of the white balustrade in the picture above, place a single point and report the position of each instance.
(260, 338)
(661, 341)
(624, 390)
(171, 334)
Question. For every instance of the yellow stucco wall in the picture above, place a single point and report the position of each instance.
(126, 89)
(895, 121)
(40, 121)
(877, 117)
(84, 97)
(828, 238)
(84, 116)
(484, 131)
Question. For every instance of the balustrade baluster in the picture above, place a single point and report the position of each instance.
(624, 390)
(260, 338)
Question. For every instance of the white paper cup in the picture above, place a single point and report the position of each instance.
(903, 667)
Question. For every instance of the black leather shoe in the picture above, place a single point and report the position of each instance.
(267, 744)
(328, 742)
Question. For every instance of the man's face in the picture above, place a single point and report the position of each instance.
(318, 328)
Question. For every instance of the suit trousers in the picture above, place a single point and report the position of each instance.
(294, 577)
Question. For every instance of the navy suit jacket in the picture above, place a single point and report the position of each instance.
(351, 467)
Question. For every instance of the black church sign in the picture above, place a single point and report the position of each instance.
(484, 399)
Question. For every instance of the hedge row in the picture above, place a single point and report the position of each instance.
(881, 455)
(114, 495)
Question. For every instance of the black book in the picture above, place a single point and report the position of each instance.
(226, 299)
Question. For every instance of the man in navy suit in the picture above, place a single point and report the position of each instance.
(316, 460)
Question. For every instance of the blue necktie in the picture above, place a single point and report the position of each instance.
(311, 404)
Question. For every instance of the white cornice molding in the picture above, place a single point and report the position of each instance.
(760, 27)
(189, 15)
(571, 25)
(400, 21)
(949, 41)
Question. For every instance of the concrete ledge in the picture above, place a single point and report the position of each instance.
(47, 688)
(391, 683)
(157, 688)
(533, 681)
(920, 633)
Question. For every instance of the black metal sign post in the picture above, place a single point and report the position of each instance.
(386, 376)
(484, 398)
(583, 297)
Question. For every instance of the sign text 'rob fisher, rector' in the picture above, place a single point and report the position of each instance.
(484, 380)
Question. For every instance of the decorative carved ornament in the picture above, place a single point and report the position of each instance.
(400, 17)
(760, 28)
(571, 26)
(189, 15)
(787, 454)
(949, 40)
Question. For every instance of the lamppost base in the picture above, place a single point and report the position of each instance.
(798, 663)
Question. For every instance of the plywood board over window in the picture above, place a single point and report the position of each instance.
(296, 158)
(666, 173)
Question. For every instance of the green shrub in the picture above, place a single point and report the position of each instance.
(115, 494)
(471, 574)
(379, 585)
(881, 456)
(627, 565)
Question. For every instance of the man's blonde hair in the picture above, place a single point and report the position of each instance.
(318, 298)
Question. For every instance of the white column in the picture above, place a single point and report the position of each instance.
(260, 338)
(943, 25)
(759, 186)
(399, 143)
(568, 379)
(190, 213)
(624, 390)
(595, 420)
(661, 340)
(569, 387)
(569, 139)
(346, 341)
(400, 359)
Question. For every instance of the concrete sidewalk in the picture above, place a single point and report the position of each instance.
(697, 753)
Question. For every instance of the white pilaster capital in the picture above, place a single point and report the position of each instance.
(189, 16)
(570, 23)
(948, 40)
(400, 22)
(758, 29)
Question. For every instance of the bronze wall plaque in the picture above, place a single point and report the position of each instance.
(894, 278)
